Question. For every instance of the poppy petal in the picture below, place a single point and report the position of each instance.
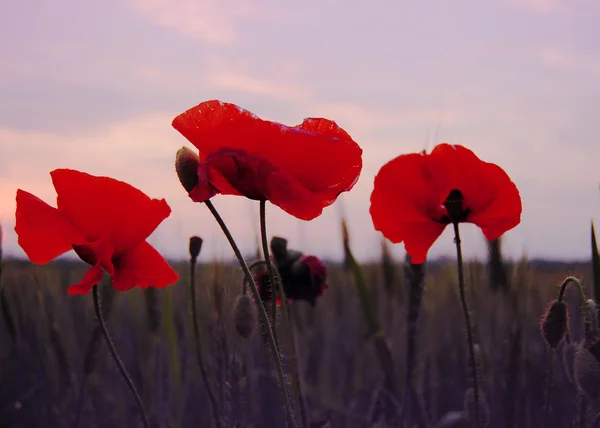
(239, 173)
(317, 153)
(102, 207)
(44, 232)
(504, 212)
(92, 277)
(456, 167)
(143, 267)
(402, 193)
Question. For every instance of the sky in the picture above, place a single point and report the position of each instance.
(94, 86)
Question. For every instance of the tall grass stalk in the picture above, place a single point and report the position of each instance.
(275, 279)
(117, 358)
(465, 308)
(261, 311)
(197, 339)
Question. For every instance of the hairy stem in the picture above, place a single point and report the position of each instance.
(465, 308)
(549, 381)
(211, 395)
(276, 280)
(118, 361)
(261, 312)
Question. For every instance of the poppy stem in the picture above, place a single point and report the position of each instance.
(261, 311)
(549, 381)
(275, 279)
(465, 308)
(116, 358)
(211, 395)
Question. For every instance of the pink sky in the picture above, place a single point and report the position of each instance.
(95, 86)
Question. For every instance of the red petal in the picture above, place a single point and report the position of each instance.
(456, 167)
(318, 154)
(44, 232)
(404, 203)
(102, 207)
(238, 173)
(504, 212)
(92, 277)
(143, 267)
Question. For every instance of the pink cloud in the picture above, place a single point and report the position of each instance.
(210, 21)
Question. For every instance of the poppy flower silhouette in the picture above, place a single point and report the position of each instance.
(417, 195)
(105, 221)
(302, 169)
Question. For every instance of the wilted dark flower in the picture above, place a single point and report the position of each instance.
(303, 277)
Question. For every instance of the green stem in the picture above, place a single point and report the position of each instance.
(118, 361)
(261, 311)
(276, 280)
(465, 308)
(211, 396)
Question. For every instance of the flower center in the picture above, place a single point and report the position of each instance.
(86, 254)
(455, 211)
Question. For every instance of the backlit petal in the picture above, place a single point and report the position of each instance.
(44, 232)
(102, 207)
(92, 277)
(239, 173)
(504, 212)
(143, 267)
(456, 167)
(319, 154)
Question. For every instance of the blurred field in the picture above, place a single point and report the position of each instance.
(45, 338)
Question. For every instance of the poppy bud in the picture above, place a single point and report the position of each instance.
(554, 323)
(186, 165)
(568, 360)
(195, 247)
(586, 371)
(592, 313)
(483, 414)
(244, 314)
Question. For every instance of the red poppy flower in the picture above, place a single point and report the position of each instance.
(301, 169)
(105, 221)
(417, 195)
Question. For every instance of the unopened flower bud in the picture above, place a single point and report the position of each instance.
(195, 247)
(244, 314)
(592, 313)
(186, 165)
(554, 323)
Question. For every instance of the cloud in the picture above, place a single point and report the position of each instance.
(259, 86)
(540, 6)
(210, 21)
(567, 60)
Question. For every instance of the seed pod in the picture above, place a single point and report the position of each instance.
(244, 315)
(554, 323)
(186, 165)
(195, 247)
(469, 409)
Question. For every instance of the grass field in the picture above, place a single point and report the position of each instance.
(54, 363)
